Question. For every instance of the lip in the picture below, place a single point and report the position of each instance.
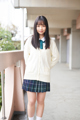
(40, 31)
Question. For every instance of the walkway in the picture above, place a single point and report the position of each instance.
(63, 101)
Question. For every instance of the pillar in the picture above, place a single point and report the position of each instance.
(74, 46)
(63, 48)
(57, 42)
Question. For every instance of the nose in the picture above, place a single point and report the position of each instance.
(40, 27)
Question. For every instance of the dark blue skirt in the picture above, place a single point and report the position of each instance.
(35, 85)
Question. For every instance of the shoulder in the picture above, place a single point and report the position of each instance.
(52, 42)
(53, 45)
(28, 39)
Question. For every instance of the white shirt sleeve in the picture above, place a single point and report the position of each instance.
(54, 53)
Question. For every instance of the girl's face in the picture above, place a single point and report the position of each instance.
(41, 27)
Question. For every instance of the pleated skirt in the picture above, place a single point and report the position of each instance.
(35, 86)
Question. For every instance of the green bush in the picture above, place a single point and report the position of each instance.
(5, 34)
(6, 45)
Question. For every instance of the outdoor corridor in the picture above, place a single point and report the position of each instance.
(63, 101)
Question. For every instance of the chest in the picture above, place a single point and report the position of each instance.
(42, 52)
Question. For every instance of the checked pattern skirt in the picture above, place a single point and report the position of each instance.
(35, 86)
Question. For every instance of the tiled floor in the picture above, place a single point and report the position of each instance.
(63, 101)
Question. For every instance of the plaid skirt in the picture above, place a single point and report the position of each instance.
(35, 85)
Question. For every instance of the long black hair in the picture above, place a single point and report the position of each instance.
(35, 38)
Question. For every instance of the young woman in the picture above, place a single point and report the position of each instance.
(40, 55)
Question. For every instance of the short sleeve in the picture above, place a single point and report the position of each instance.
(54, 53)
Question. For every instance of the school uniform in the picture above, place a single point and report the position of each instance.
(39, 62)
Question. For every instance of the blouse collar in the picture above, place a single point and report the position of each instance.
(43, 39)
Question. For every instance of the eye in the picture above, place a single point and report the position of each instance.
(43, 25)
(37, 25)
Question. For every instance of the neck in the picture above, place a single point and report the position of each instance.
(41, 36)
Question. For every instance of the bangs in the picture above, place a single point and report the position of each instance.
(40, 22)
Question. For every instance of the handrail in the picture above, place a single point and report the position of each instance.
(7, 58)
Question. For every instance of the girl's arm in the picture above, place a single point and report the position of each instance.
(26, 50)
(54, 53)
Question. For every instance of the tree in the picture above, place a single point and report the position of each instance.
(6, 43)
